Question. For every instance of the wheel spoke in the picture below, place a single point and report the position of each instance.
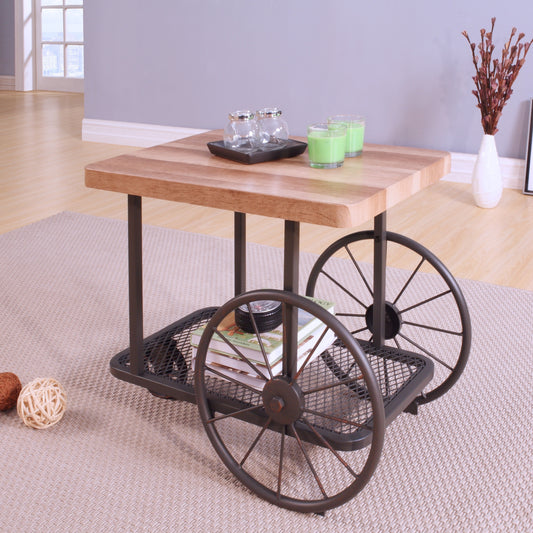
(344, 378)
(356, 331)
(280, 469)
(429, 354)
(309, 356)
(338, 372)
(241, 355)
(359, 270)
(234, 414)
(344, 289)
(261, 433)
(433, 328)
(409, 280)
(353, 315)
(330, 448)
(425, 301)
(229, 378)
(263, 351)
(335, 418)
(309, 463)
(350, 369)
(332, 385)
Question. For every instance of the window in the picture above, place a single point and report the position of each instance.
(59, 45)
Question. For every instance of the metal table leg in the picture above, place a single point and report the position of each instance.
(290, 283)
(240, 252)
(380, 262)
(135, 283)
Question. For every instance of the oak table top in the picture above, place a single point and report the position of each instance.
(185, 171)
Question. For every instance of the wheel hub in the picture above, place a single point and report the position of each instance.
(393, 320)
(282, 401)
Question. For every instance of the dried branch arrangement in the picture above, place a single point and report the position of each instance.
(494, 77)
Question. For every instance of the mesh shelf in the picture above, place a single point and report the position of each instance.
(401, 376)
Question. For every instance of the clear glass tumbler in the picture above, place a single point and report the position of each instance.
(242, 131)
(273, 130)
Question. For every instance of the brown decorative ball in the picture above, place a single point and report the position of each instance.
(10, 387)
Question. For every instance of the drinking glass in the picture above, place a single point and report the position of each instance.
(241, 132)
(355, 132)
(326, 144)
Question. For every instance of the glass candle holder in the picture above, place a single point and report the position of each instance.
(273, 130)
(326, 144)
(242, 132)
(355, 132)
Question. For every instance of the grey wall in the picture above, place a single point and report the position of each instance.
(404, 65)
(7, 37)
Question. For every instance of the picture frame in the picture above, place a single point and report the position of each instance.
(528, 184)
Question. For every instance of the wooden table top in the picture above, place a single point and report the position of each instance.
(185, 171)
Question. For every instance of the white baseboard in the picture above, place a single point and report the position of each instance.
(7, 83)
(132, 133)
(144, 135)
(513, 170)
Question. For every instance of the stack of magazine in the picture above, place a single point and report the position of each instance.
(225, 360)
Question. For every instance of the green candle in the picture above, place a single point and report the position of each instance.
(326, 144)
(354, 140)
(355, 132)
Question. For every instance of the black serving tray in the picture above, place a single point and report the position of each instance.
(290, 149)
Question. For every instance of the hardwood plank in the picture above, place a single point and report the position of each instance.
(42, 160)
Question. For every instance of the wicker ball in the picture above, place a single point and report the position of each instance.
(42, 403)
(10, 386)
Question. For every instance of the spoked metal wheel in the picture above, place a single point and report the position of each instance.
(425, 311)
(293, 433)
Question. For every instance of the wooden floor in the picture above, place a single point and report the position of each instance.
(42, 158)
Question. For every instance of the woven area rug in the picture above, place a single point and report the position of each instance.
(123, 460)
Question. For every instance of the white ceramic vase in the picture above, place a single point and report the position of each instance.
(487, 177)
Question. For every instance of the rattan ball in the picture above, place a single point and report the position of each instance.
(42, 403)
(10, 386)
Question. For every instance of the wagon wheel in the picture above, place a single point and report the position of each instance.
(423, 313)
(314, 441)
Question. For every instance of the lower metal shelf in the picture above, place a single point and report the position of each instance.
(345, 414)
